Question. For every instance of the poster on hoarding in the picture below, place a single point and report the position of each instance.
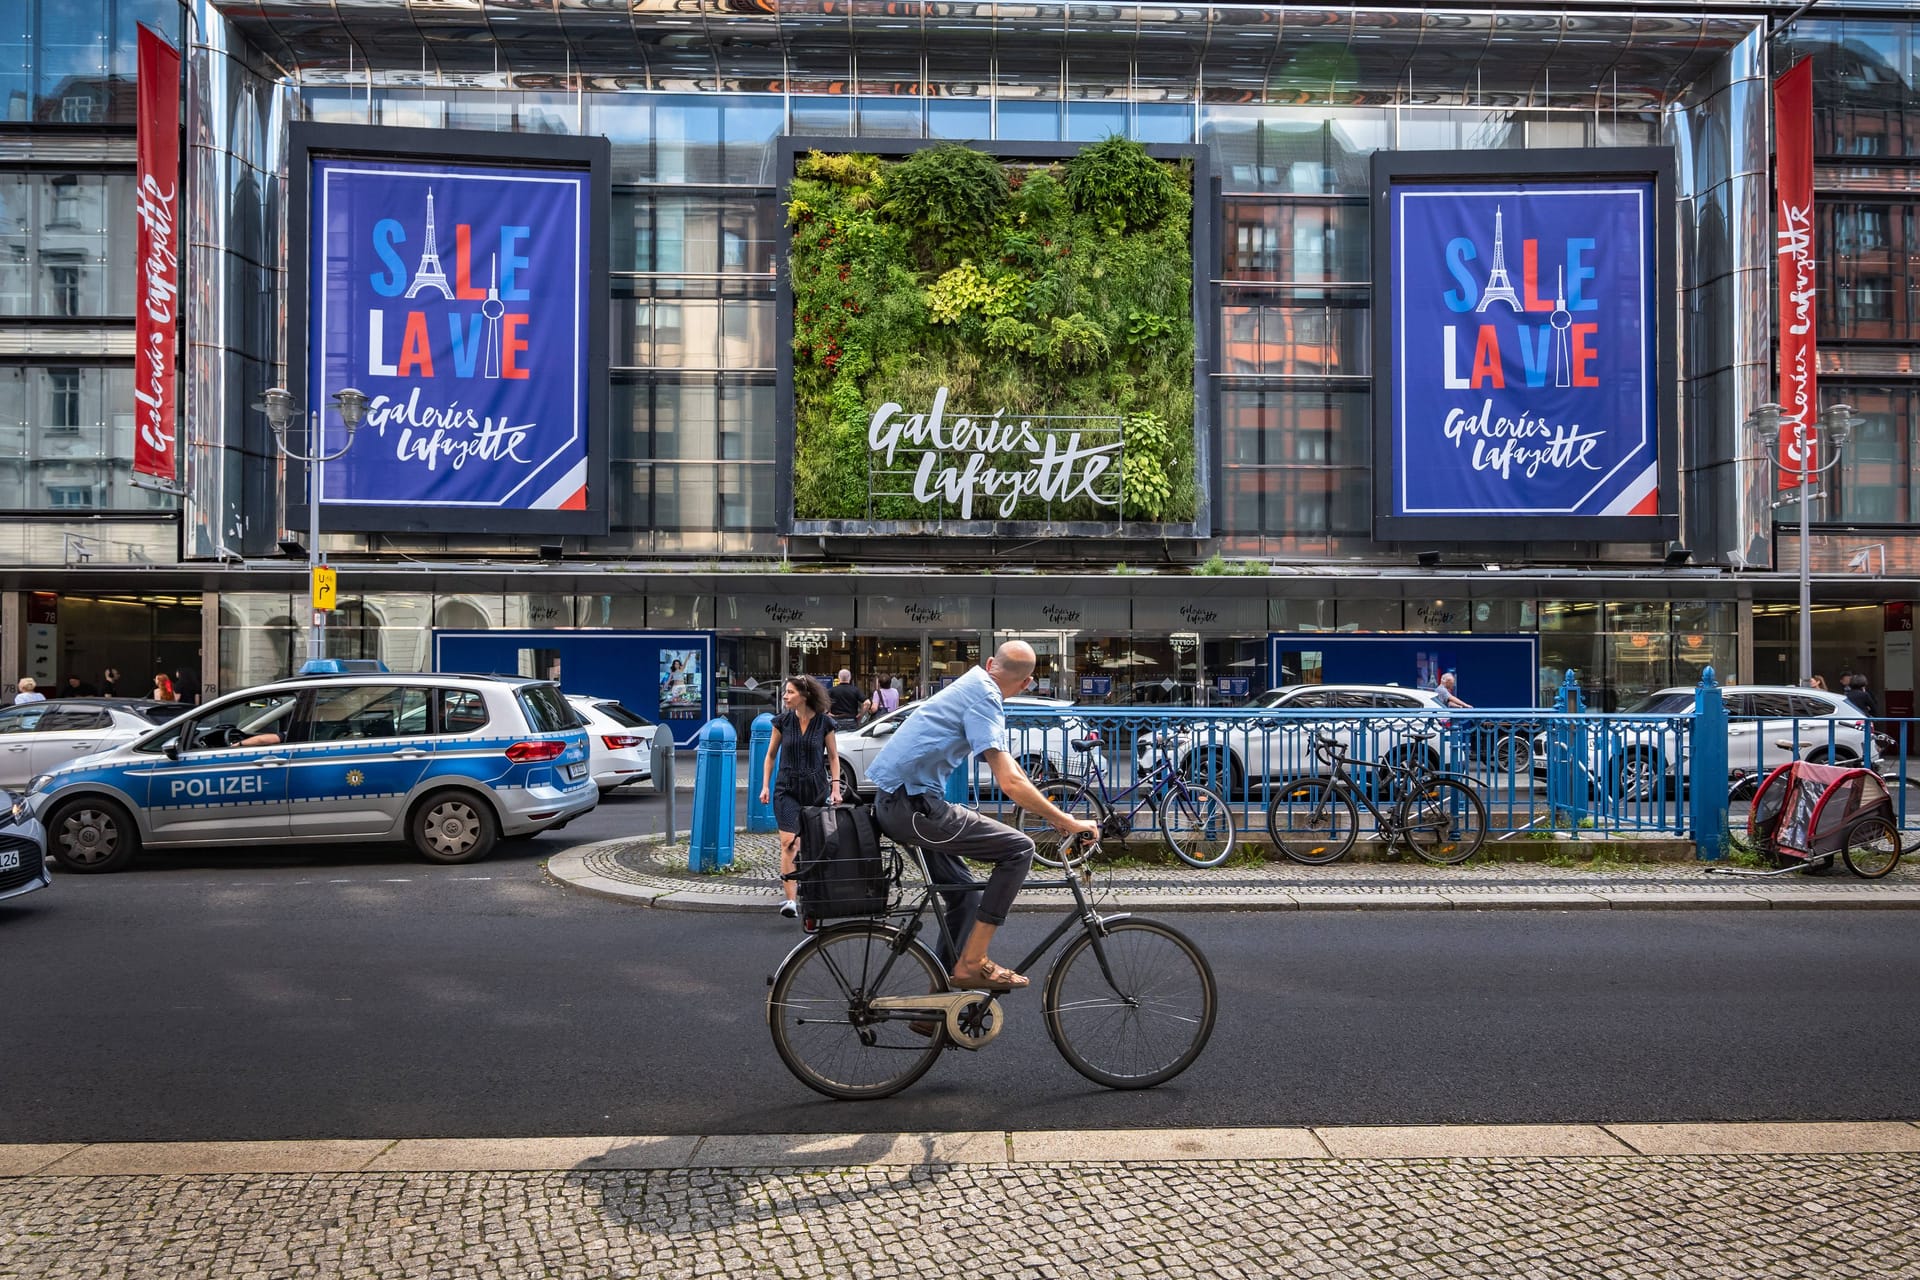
(682, 690)
(1526, 341)
(464, 295)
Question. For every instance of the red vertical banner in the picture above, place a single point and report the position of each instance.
(156, 245)
(1793, 232)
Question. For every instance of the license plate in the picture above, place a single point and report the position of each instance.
(9, 859)
(575, 772)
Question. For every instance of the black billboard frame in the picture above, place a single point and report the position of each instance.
(307, 141)
(1203, 235)
(1391, 168)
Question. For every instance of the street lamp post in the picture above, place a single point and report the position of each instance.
(1837, 422)
(277, 403)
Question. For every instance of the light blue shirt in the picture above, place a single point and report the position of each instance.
(953, 726)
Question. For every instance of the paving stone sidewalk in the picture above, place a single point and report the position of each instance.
(655, 872)
(1617, 1218)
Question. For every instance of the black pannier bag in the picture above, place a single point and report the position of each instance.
(841, 870)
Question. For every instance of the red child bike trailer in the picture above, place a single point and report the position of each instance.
(1805, 815)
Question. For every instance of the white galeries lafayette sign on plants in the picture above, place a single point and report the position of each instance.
(1059, 462)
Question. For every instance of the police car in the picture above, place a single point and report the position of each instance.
(451, 764)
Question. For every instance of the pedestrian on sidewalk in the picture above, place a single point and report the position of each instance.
(29, 692)
(1859, 695)
(809, 772)
(1818, 682)
(845, 701)
(885, 697)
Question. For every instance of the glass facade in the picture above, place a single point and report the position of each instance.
(67, 259)
(694, 115)
(1866, 141)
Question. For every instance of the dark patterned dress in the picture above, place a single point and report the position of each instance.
(802, 781)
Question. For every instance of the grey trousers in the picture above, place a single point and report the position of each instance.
(946, 833)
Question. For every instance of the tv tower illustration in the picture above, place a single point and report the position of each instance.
(1499, 288)
(493, 309)
(1561, 320)
(428, 275)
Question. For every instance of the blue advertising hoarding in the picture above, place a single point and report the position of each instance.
(1524, 345)
(465, 296)
(664, 676)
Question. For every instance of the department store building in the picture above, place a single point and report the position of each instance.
(1287, 106)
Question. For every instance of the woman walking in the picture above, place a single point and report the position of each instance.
(809, 771)
(163, 690)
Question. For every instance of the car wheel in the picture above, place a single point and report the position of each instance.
(88, 835)
(451, 827)
(1515, 751)
(849, 781)
(1635, 776)
(1834, 756)
(1038, 768)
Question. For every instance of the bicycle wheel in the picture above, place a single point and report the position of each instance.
(1196, 822)
(825, 1030)
(1147, 1024)
(1080, 800)
(1311, 821)
(1442, 820)
(1872, 848)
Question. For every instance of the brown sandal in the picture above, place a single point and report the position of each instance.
(992, 977)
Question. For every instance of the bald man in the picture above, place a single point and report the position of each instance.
(966, 719)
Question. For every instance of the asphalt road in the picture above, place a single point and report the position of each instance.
(357, 993)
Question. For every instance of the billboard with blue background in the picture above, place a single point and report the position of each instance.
(1523, 349)
(465, 297)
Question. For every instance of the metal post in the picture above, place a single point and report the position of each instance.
(1806, 580)
(316, 477)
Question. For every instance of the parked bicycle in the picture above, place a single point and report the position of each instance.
(1193, 819)
(862, 1008)
(1315, 818)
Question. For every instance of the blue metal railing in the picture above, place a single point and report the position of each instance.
(1565, 770)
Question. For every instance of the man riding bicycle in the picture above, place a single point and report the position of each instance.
(964, 720)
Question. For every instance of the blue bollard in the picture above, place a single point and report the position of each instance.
(711, 847)
(759, 816)
(956, 790)
(1707, 787)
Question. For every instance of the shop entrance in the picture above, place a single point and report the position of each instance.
(86, 637)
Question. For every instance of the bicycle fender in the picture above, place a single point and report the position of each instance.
(1101, 922)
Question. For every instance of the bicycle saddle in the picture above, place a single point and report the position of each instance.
(1088, 743)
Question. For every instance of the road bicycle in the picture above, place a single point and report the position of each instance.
(1315, 818)
(862, 1008)
(1193, 819)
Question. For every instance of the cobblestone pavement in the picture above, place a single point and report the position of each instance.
(646, 867)
(1632, 1218)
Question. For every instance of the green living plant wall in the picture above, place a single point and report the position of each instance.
(952, 283)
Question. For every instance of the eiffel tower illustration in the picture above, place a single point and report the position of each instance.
(1499, 288)
(428, 275)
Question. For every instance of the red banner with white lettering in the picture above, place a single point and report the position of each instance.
(156, 245)
(1793, 232)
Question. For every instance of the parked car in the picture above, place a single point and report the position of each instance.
(1767, 725)
(1039, 743)
(40, 736)
(620, 741)
(449, 763)
(23, 848)
(1280, 744)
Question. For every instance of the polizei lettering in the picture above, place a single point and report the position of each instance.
(233, 784)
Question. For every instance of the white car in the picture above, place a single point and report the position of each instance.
(1039, 743)
(1767, 725)
(1280, 743)
(37, 737)
(621, 741)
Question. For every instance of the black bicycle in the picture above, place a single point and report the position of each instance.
(1315, 819)
(862, 1008)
